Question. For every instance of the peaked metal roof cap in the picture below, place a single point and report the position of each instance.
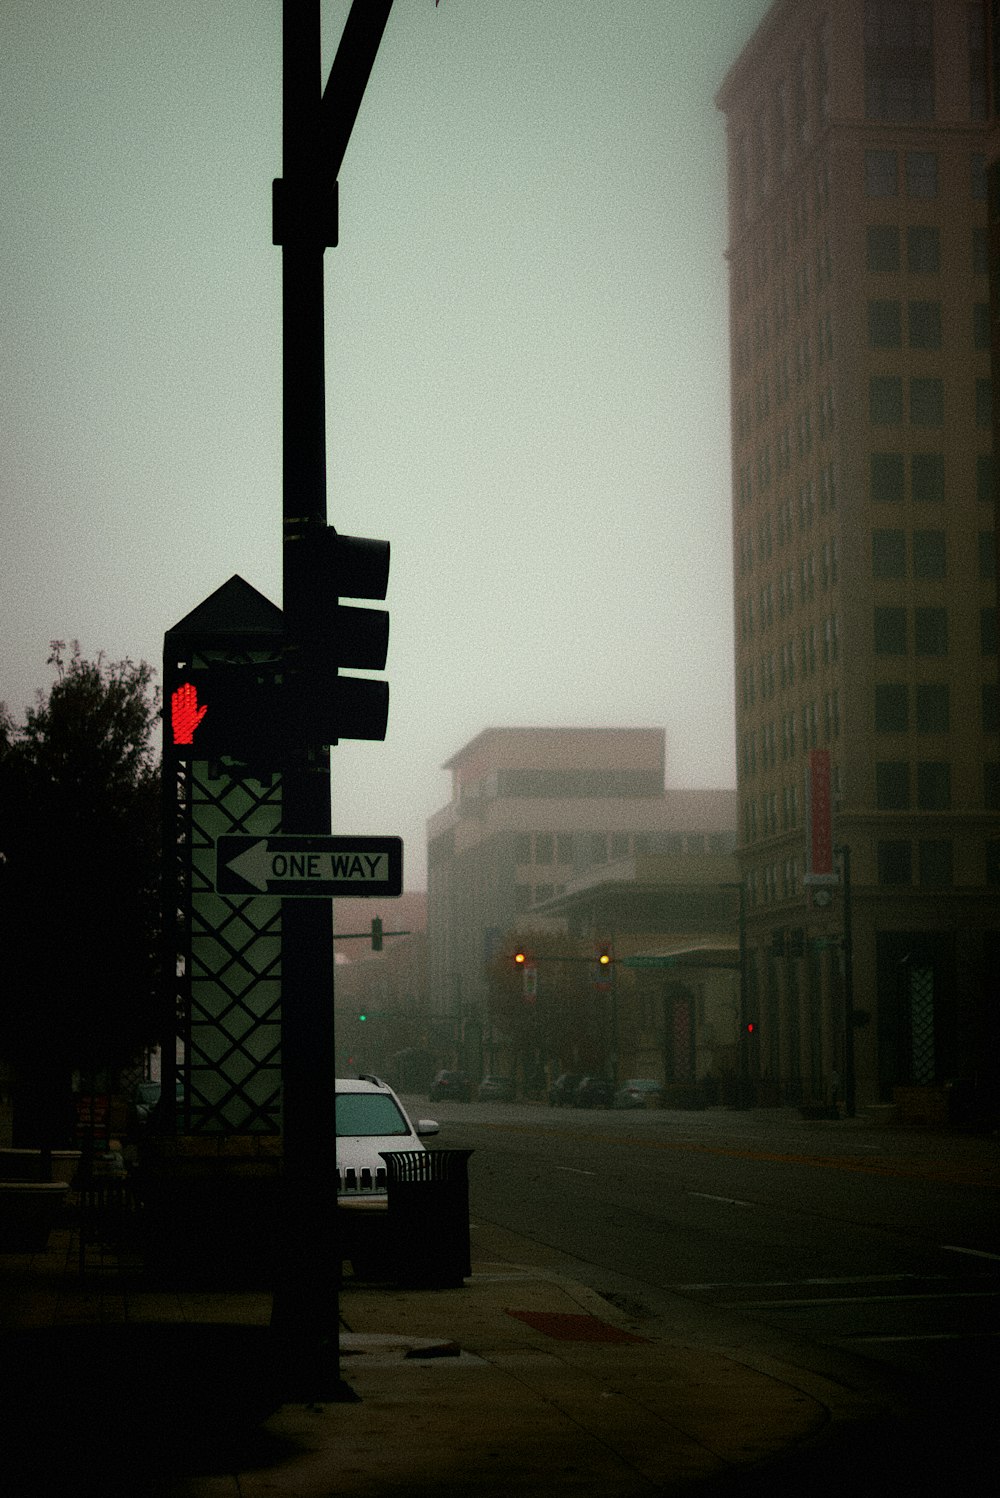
(235, 609)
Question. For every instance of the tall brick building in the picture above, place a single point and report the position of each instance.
(864, 521)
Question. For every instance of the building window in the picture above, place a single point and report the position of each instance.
(935, 860)
(988, 631)
(991, 707)
(885, 400)
(522, 898)
(598, 847)
(980, 250)
(993, 861)
(885, 325)
(890, 631)
(895, 862)
(929, 554)
(927, 477)
(883, 248)
(892, 785)
(933, 707)
(619, 845)
(543, 892)
(991, 785)
(522, 847)
(930, 631)
(881, 174)
(923, 249)
(888, 554)
(925, 324)
(981, 325)
(984, 403)
(927, 401)
(892, 707)
(987, 554)
(985, 478)
(899, 60)
(921, 174)
(886, 477)
(933, 785)
(544, 847)
(977, 175)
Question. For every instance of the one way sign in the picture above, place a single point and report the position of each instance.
(309, 866)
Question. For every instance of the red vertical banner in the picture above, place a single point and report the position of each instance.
(819, 817)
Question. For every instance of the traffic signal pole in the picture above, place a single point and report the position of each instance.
(305, 1310)
(316, 127)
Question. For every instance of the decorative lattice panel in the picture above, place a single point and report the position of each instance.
(233, 1033)
(224, 951)
(683, 1049)
(922, 1053)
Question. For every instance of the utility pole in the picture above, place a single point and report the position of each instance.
(319, 567)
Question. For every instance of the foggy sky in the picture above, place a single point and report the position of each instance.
(527, 358)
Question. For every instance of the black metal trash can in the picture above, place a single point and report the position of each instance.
(428, 1212)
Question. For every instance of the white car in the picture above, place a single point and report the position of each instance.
(370, 1119)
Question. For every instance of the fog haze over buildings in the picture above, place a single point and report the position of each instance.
(527, 358)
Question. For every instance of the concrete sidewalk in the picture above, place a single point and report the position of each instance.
(521, 1382)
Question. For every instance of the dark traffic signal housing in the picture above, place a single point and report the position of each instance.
(323, 634)
(263, 706)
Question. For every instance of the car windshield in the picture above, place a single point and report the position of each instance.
(361, 1114)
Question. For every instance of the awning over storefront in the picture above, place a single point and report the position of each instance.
(685, 957)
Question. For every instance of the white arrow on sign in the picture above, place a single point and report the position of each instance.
(259, 865)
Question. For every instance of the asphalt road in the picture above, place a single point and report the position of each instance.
(869, 1247)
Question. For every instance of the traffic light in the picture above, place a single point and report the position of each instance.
(604, 957)
(323, 634)
(520, 958)
(362, 1017)
(376, 933)
(750, 1029)
(238, 709)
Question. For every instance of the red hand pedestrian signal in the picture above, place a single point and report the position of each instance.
(185, 714)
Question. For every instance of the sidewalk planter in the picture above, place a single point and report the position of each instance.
(819, 1110)
(209, 1209)
(26, 1165)
(428, 1215)
(923, 1105)
(29, 1210)
(687, 1095)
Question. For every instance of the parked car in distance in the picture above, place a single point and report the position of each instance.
(451, 1084)
(371, 1121)
(563, 1089)
(594, 1092)
(496, 1089)
(639, 1092)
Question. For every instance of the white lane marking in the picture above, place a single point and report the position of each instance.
(928, 1337)
(977, 1253)
(860, 1300)
(849, 1279)
(730, 1201)
(573, 1171)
